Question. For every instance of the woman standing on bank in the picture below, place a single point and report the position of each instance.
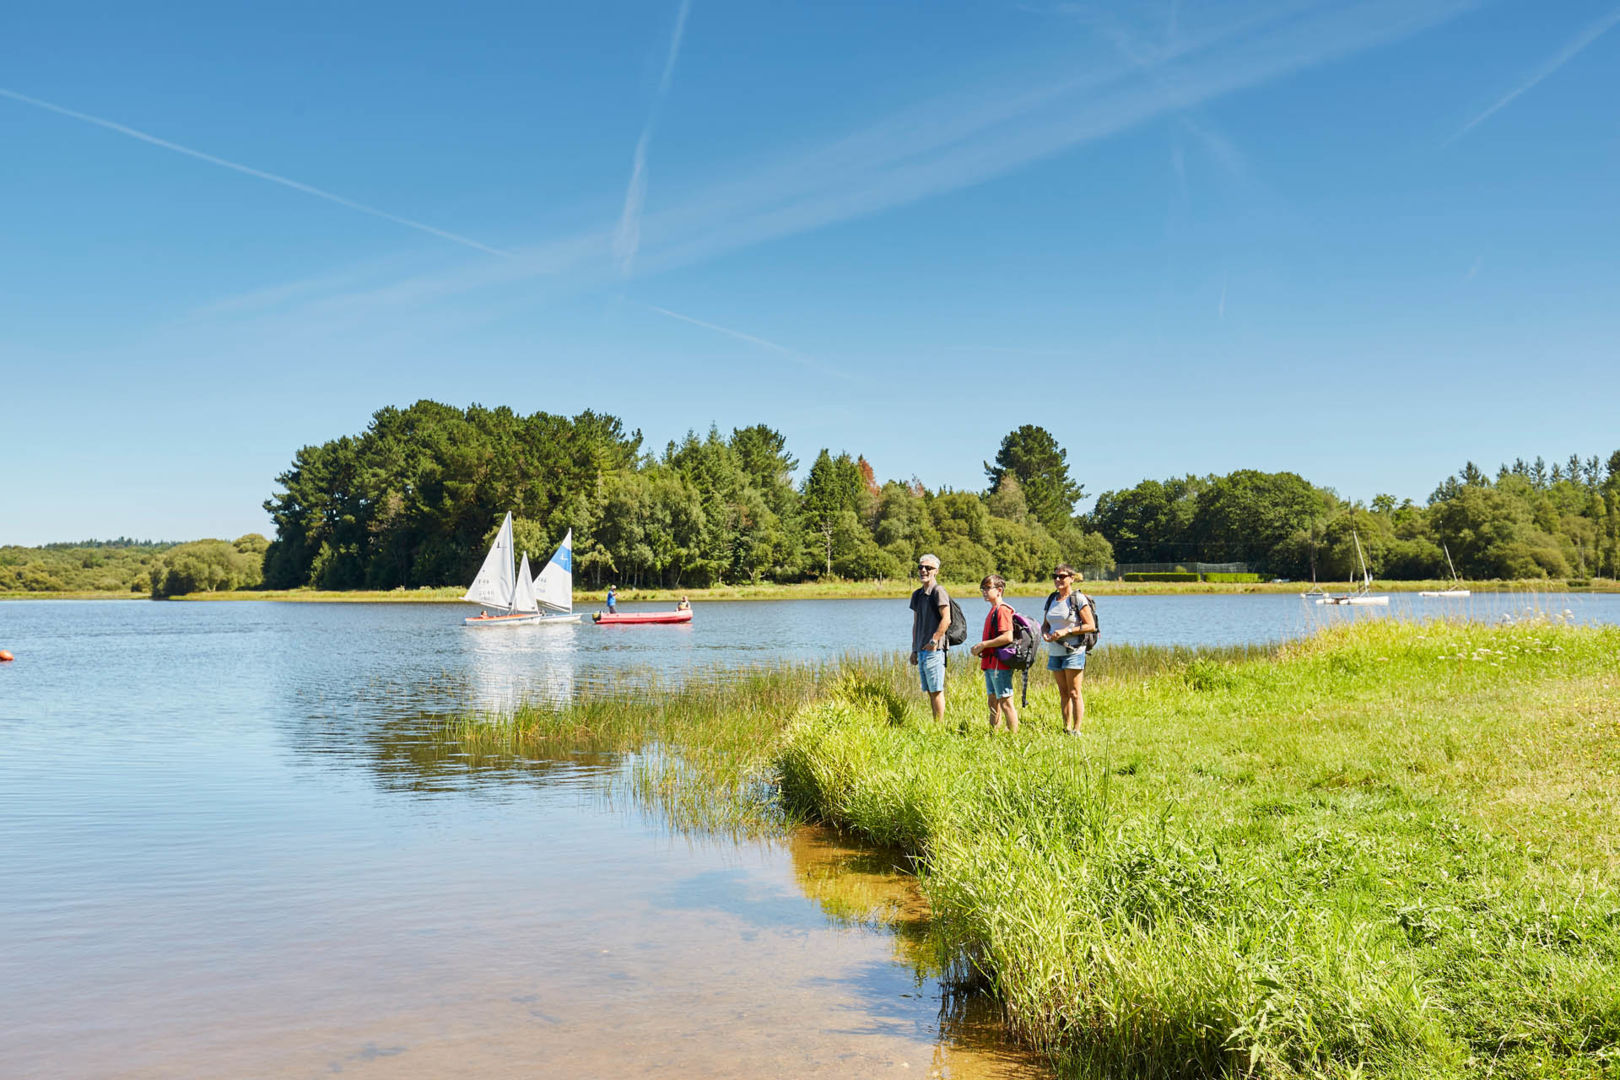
(1068, 615)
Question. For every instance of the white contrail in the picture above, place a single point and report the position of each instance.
(628, 239)
(945, 144)
(260, 174)
(674, 48)
(1582, 40)
(792, 354)
(738, 334)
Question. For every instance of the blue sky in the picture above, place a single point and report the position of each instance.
(1365, 241)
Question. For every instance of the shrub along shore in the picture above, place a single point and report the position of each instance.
(1387, 850)
(835, 590)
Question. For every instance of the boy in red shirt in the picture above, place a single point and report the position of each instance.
(998, 631)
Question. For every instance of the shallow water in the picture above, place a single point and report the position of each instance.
(232, 847)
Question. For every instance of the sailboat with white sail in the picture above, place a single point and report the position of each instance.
(519, 599)
(1456, 582)
(1362, 595)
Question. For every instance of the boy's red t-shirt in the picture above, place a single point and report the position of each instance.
(998, 622)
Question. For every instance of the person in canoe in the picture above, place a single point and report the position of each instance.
(684, 605)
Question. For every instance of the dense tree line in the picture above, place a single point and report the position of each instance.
(135, 566)
(120, 565)
(414, 498)
(209, 566)
(1530, 521)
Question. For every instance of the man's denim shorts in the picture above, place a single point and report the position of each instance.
(1075, 661)
(931, 669)
(998, 684)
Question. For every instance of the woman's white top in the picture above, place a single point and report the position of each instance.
(1064, 614)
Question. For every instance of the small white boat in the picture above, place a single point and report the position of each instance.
(518, 599)
(1363, 595)
(1456, 589)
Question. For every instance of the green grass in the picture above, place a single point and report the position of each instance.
(1387, 850)
(77, 594)
(425, 594)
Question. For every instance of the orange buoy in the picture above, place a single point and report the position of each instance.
(4, 656)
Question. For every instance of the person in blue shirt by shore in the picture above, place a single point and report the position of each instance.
(612, 599)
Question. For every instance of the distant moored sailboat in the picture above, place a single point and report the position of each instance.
(1362, 595)
(1456, 588)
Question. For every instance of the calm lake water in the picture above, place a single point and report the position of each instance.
(231, 848)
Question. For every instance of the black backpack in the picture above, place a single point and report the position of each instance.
(1088, 640)
(956, 633)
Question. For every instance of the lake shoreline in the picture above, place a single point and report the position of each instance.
(844, 590)
(1297, 824)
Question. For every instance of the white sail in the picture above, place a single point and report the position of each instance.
(523, 592)
(494, 584)
(555, 586)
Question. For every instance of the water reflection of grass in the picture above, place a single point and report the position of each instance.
(1385, 850)
(700, 747)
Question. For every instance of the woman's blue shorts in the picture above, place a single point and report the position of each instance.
(1075, 661)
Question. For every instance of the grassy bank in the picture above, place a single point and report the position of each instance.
(1388, 850)
(76, 594)
(831, 590)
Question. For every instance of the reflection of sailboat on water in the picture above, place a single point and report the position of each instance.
(1363, 595)
(1456, 582)
(521, 598)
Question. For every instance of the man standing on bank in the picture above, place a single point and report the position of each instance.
(1068, 616)
(930, 619)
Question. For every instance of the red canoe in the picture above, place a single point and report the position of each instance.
(629, 618)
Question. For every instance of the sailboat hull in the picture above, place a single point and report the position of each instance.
(520, 619)
(1368, 601)
(1446, 592)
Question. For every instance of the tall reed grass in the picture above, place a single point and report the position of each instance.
(1385, 850)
